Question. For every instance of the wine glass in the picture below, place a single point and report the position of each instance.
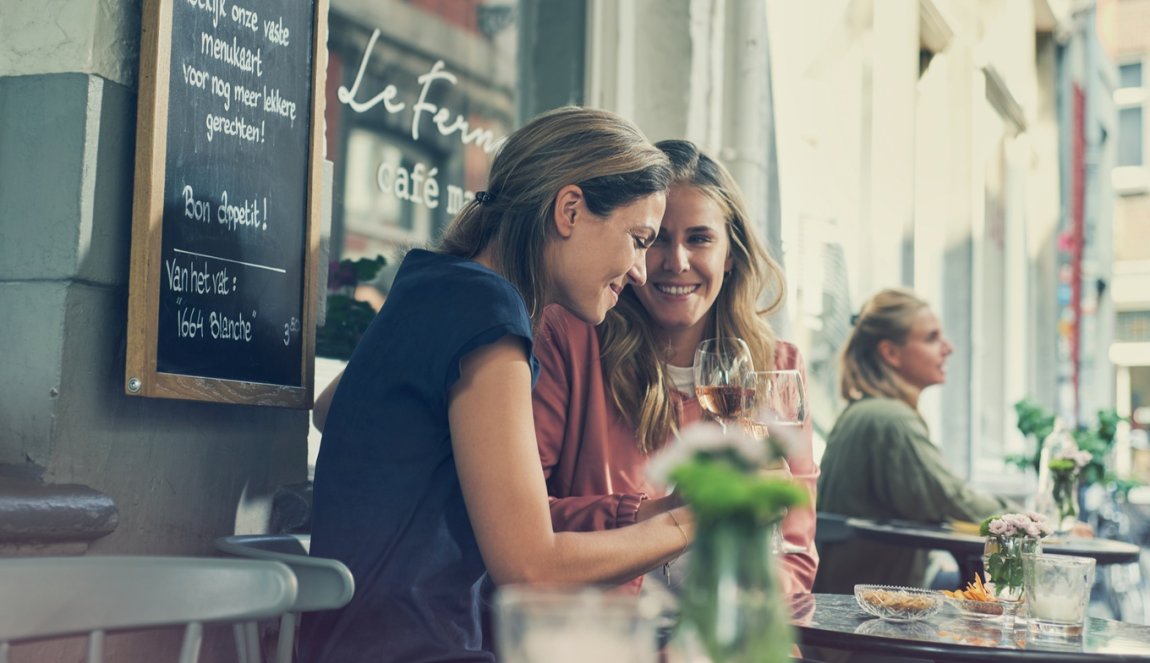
(721, 366)
(775, 405)
(774, 409)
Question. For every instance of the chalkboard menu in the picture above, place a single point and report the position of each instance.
(225, 234)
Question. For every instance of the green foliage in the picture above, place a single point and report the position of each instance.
(1098, 441)
(1035, 422)
(1122, 487)
(984, 526)
(1005, 569)
(346, 318)
(717, 488)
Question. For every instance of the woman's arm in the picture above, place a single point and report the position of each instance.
(567, 350)
(497, 460)
(925, 489)
(323, 403)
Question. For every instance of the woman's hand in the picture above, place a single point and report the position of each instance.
(778, 468)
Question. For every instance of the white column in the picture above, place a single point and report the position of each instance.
(893, 76)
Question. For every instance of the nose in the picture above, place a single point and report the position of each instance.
(675, 259)
(637, 275)
(947, 347)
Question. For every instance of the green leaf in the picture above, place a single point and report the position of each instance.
(367, 268)
(716, 488)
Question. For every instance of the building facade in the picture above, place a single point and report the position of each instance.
(923, 143)
(1124, 27)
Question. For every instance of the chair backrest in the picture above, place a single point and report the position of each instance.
(48, 597)
(832, 528)
(324, 584)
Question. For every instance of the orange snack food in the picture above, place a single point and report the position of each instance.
(975, 591)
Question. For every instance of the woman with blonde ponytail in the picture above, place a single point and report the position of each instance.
(879, 461)
(609, 396)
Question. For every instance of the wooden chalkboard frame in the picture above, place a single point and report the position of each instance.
(141, 375)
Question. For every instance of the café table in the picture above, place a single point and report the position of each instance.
(836, 621)
(967, 548)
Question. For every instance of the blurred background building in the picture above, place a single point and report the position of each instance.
(1124, 28)
(952, 147)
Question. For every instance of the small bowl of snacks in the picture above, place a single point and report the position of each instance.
(898, 604)
(984, 610)
(979, 603)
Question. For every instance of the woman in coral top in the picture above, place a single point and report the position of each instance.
(607, 397)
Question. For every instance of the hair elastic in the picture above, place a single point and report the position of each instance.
(484, 198)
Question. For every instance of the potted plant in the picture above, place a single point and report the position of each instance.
(346, 317)
(730, 603)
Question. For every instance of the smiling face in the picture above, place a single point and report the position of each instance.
(595, 257)
(921, 358)
(685, 265)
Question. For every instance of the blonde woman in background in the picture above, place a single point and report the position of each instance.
(879, 460)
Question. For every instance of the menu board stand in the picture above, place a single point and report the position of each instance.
(225, 228)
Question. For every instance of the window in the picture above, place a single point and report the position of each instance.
(1130, 75)
(421, 92)
(1132, 327)
(1130, 99)
(1130, 136)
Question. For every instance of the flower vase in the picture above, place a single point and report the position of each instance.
(730, 604)
(1064, 490)
(1002, 563)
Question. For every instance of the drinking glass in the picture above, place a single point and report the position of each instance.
(1057, 593)
(774, 408)
(721, 366)
(572, 625)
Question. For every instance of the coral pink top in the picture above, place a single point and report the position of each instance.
(595, 470)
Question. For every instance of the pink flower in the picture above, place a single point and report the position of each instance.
(1032, 525)
(704, 438)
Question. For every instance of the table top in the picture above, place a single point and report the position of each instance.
(924, 535)
(835, 620)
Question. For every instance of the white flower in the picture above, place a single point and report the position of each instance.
(705, 438)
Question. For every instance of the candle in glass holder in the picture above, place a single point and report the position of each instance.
(1064, 608)
(1057, 591)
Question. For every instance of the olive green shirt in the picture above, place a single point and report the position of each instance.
(880, 463)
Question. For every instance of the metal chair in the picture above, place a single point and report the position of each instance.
(49, 597)
(324, 584)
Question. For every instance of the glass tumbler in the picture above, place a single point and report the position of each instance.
(572, 625)
(1057, 593)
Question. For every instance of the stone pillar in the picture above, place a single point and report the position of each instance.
(174, 475)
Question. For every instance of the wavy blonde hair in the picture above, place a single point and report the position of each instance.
(634, 360)
(887, 316)
(599, 151)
